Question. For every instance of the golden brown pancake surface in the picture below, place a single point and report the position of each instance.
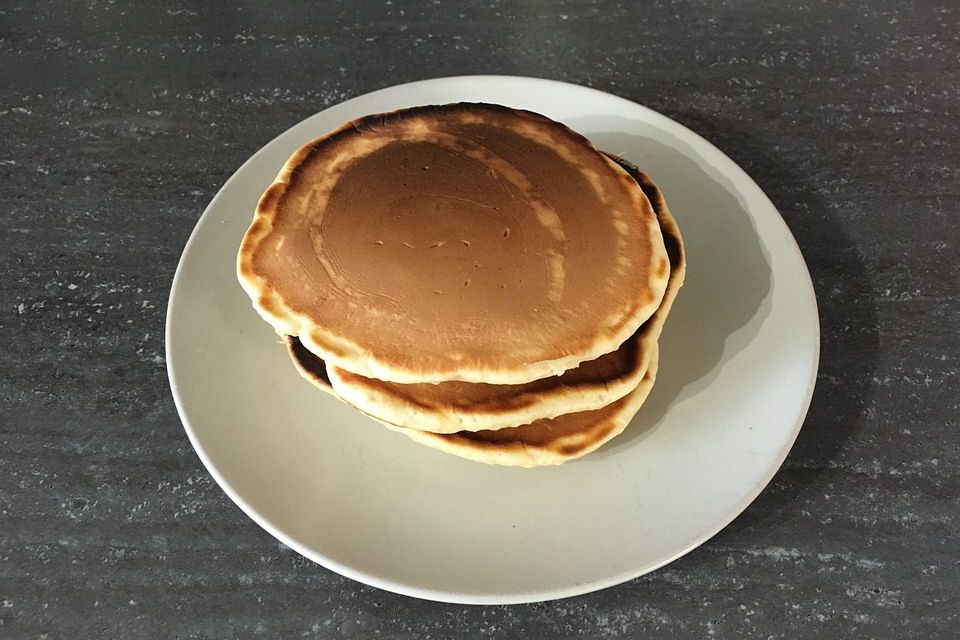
(448, 407)
(464, 242)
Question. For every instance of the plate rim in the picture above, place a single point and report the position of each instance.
(706, 149)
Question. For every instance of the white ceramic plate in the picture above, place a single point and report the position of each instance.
(738, 363)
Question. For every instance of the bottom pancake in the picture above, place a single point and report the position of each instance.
(540, 443)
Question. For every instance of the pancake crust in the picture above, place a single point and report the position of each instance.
(541, 443)
(544, 442)
(449, 407)
(461, 242)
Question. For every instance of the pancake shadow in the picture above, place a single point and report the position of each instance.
(849, 328)
(849, 331)
(722, 248)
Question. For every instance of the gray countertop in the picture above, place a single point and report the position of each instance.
(121, 120)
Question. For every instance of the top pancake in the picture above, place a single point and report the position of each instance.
(449, 407)
(462, 242)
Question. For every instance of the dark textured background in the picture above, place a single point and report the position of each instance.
(121, 120)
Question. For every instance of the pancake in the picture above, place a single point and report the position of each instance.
(541, 443)
(544, 442)
(464, 242)
(449, 407)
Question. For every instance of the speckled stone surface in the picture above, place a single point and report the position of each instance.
(120, 121)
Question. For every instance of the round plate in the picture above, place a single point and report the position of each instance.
(738, 362)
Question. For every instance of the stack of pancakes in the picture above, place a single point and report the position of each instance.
(478, 278)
